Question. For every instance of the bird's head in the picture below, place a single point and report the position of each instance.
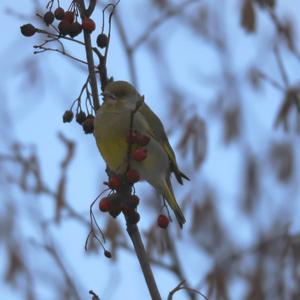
(120, 91)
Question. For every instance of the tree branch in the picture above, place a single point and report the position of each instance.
(143, 260)
(90, 58)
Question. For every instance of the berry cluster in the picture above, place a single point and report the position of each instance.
(114, 204)
(139, 141)
(86, 121)
(68, 24)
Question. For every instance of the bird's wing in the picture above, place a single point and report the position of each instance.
(161, 136)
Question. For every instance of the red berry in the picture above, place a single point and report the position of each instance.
(104, 204)
(75, 29)
(28, 30)
(115, 209)
(69, 16)
(89, 25)
(139, 154)
(64, 27)
(48, 18)
(102, 40)
(88, 124)
(142, 140)
(68, 116)
(163, 221)
(114, 182)
(59, 13)
(133, 201)
(132, 176)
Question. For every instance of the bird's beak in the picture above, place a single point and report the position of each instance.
(108, 96)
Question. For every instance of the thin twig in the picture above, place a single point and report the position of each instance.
(271, 81)
(181, 286)
(91, 8)
(128, 50)
(171, 12)
(281, 67)
(57, 258)
(143, 260)
(103, 58)
(90, 58)
(43, 49)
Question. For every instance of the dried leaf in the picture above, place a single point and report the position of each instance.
(292, 98)
(232, 124)
(282, 161)
(194, 135)
(251, 183)
(248, 17)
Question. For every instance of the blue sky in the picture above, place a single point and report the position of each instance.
(37, 119)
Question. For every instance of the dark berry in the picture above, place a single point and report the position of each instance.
(69, 16)
(68, 116)
(133, 201)
(75, 29)
(133, 218)
(48, 18)
(127, 210)
(59, 13)
(88, 124)
(102, 40)
(28, 30)
(107, 254)
(132, 176)
(139, 154)
(163, 221)
(115, 210)
(80, 117)
(89, 25)
(64, 27)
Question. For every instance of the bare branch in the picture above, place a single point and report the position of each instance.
(181, 286)
(171, 12)
(143, 260)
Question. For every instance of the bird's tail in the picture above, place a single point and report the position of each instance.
(169, 196)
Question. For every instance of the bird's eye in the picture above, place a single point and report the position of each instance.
(108, 95)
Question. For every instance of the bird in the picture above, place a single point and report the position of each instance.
(112, 126)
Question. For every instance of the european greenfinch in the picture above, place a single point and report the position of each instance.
(112, 126)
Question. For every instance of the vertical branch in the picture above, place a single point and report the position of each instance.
(143, 260)
(89, 53)
(128, 50)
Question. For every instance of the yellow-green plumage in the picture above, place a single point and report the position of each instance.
(111, 128)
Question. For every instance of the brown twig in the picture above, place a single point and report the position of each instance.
(43, 49)
(181, 286)
(51, 249)
(90, 58)
(95, 296)
(129, 50)
(143, 260)
(103, 58)
(171, 12)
